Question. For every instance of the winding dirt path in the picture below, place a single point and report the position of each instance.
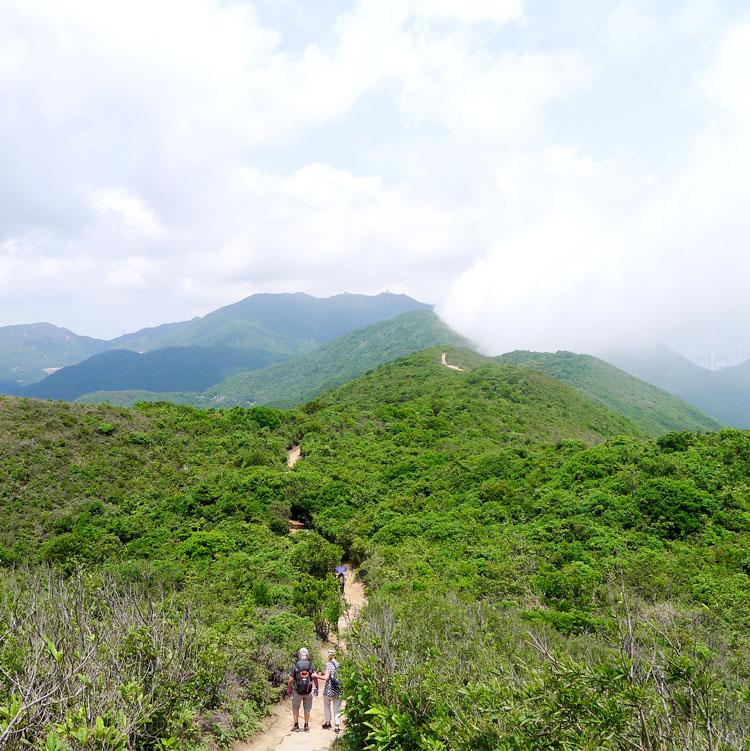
(448, 365)
(278, 735)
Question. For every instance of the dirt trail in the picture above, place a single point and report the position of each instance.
(448, 365)
(278, 735)
(293, 455)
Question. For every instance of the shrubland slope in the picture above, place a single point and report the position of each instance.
(537, 568)
(166, 530)
(653, 410)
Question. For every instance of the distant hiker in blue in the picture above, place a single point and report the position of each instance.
(302, 686)
(331, 692)
(341, 576)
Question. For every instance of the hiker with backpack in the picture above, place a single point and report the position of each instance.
(331, 692)
(302, 686)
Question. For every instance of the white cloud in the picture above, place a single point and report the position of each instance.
(129, 210)
(630, 29)
(613, 255)
(499, 12)
(162, 159)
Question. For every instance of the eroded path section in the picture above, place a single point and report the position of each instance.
(293, 455)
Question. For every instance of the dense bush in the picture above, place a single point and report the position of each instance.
(437, 673)
(167, 538)
(94, 662)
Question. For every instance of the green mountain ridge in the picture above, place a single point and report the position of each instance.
(27, 351)
(300, 379)
(292, 322)
(653, 410)
(164, 369)
(723, 395)
(495, 398)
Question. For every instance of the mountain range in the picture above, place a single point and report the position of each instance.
(252, 333)
(284, 349)
(301, 378)
(29, 352)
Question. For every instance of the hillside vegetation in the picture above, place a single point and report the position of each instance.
(130, 397)
(540, 574)
(27, 350)
(264, 328)
(162, 370)
(654, 411)
(723, 395)
(300, 379)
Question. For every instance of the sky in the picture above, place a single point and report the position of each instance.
(552, 174)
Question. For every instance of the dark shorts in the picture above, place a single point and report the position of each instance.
(305, 701)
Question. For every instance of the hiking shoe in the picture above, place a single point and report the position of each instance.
(295, 727)
(306, 728)
(326, 726)
(336, 730)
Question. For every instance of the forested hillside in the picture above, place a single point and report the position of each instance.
(541, 575)
(347, 357)
(162, 370)
(26, 351)
(297, 380)
(723, 395)
(654, 411)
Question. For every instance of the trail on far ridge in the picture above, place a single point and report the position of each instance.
(445, 362)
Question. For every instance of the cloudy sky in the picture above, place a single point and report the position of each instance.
(551, 173)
